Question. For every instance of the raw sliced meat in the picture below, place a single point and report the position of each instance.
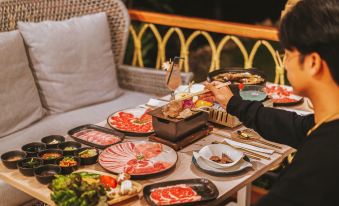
(174, 194)
(128, 122)
(137, 158)
(281, 94)
(96, 137)
(135, 166)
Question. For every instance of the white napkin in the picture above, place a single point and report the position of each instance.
(154, 103)
(247, 146)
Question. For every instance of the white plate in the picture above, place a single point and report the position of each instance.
(138, 158)
(217, 150)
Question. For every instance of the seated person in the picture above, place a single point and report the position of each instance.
(309, 32)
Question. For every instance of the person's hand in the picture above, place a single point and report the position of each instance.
(222, 95)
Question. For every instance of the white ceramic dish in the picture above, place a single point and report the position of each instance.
(217, 149)
(241, 166)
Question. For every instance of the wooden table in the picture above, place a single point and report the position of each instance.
(228, 185)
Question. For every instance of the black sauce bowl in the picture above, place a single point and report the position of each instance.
(63, 145)
(48, 139)
(32, 149)
(46, 173)
(87, 160)
(70, 169)
(12, 164)
(50, 161)
(29, 171)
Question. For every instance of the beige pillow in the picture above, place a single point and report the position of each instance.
(72, 61)
(19, 99)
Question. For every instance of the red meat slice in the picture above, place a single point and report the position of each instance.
(137, 167)
(174, 194)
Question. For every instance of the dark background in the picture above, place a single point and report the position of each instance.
(262, 12)
(244, 11)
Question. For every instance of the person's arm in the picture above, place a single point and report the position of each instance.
(273, 124)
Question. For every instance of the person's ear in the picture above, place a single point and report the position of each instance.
(313, 63)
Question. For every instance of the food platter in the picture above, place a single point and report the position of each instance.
(180, 192)
(236, 76)
(104, 188)
(133, 121)
(283, 95)
(139, 158)
(95, 136)
(240, 167)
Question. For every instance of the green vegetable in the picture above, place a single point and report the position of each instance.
(72, 190)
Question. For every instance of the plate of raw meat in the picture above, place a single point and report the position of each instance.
(139, 158)
(96, 136)
(282, 95)
(180, 192)
(133, 121)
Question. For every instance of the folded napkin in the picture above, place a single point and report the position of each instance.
(154, 103)
(249, 147)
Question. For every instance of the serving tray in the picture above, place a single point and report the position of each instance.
(203, 187)
(117, 134)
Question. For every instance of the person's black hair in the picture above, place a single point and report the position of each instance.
(313, 26)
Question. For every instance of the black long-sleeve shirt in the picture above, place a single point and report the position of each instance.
(313, 176)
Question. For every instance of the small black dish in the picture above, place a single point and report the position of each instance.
(53, 141)
(27, 166)
(203, 187)
(33, 148)
(65, 147)
(50, 160)
(10, 159)
(46, 173)
(69, 169)
(87, 160)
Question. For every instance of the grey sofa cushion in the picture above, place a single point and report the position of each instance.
(19, 98)
(73, 61)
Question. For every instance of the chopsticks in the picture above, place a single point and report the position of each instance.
(203, 92)
(246, 136)
(245, 150)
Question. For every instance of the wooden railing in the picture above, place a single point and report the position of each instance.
(203, 27)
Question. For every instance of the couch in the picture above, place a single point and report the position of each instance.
(138, 84)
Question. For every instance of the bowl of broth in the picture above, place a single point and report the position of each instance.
(10, 159)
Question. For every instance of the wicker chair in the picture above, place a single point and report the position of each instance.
(132, 78)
